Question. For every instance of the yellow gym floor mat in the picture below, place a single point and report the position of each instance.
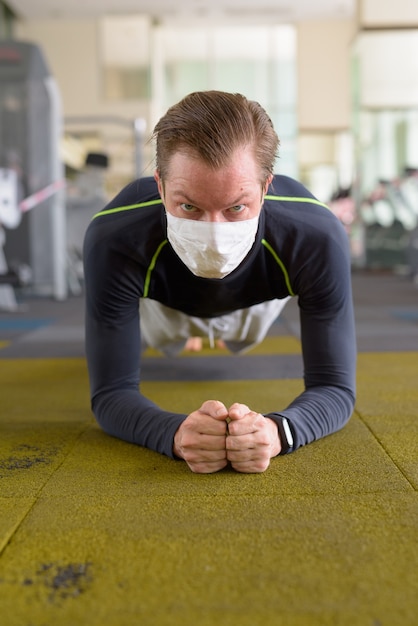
(98, 532)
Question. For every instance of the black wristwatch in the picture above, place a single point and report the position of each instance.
(285, 434)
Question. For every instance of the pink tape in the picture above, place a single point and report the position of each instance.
(36, 198)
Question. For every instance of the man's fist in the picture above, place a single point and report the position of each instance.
(252, 440)
(200, 440)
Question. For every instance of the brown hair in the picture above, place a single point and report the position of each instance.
(213, 124)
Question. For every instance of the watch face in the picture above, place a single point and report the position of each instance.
(287, 432)
(286, 436)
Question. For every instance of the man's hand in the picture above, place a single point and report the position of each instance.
(200, 439)
(252, 441)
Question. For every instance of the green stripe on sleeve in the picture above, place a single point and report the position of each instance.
(127, 208)
(280, 264)
(297, 199)
(151, 267)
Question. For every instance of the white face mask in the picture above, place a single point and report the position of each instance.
(211, 249)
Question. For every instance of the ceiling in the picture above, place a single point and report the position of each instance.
(285, 11)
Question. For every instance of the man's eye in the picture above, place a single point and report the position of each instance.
(187, 207)
(238, 208)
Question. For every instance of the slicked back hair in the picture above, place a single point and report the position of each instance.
(212, 125)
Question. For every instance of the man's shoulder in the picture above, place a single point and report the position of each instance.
(137, 206)
(289, 199)
(289, 189)
(137, 192)
(290, 207)
(139, 200)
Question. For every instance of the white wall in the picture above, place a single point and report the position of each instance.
(388, 13)
(324, 74)
(389, 68)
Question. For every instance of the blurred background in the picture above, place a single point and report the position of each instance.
(82, 84)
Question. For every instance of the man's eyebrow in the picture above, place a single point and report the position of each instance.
(184, 196)
(188, 200)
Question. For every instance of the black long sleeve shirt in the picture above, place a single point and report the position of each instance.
(301, 250)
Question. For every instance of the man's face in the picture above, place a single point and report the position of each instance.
(195, 191)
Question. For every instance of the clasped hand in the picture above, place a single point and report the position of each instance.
(213, 435)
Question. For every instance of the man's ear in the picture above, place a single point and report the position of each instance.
(159, 183)
(267, 183)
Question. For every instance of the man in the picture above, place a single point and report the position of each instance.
(216, 244)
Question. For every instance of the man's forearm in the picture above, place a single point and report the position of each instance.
(317, 412)
(130, 416)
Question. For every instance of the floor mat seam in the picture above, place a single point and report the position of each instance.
(38, 494)
(375, 436)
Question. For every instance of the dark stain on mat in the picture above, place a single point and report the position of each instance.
(62, 581)
(26, 456)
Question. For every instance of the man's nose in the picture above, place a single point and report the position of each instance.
(215, 216)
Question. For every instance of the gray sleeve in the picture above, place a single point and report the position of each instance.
(328, 345)
(113, 352)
